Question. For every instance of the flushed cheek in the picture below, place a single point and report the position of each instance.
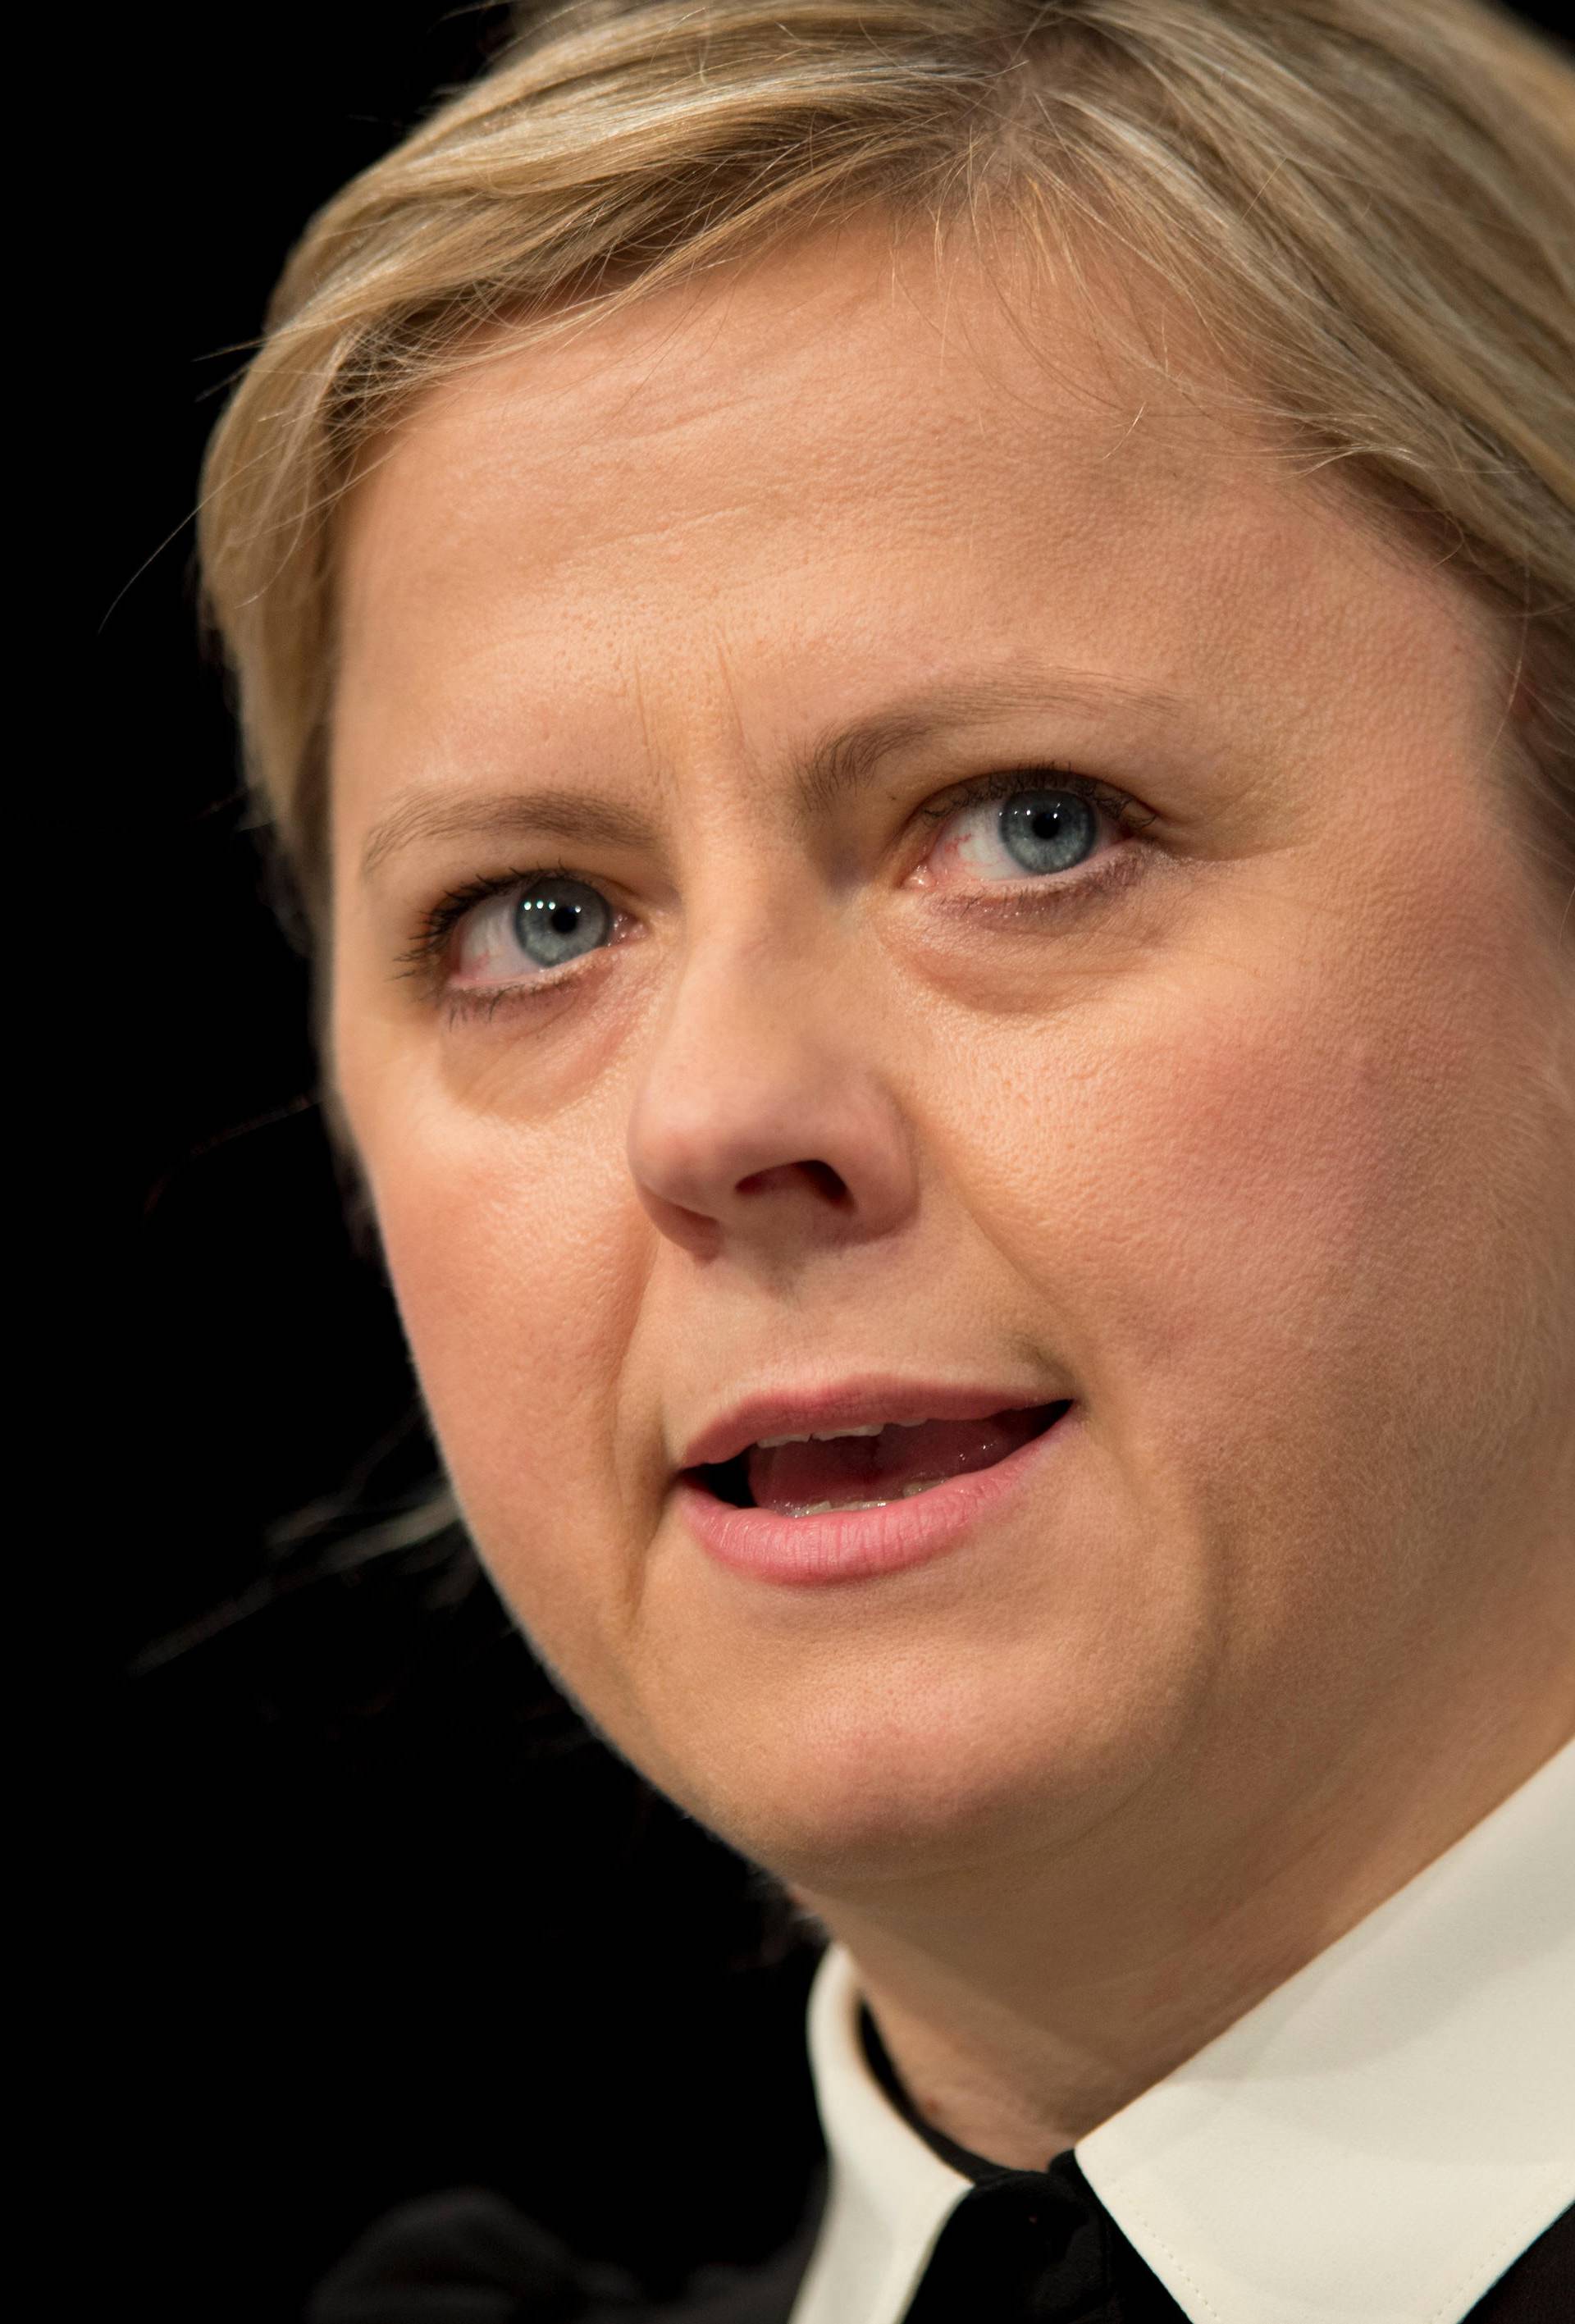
(1257, 1257)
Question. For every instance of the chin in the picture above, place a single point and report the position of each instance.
(935, 1769)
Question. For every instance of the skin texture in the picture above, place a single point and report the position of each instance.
(1266, 1156)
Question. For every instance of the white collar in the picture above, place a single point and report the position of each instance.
(1374, 2142)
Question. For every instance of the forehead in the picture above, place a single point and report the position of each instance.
(768, 407)
(858, 450)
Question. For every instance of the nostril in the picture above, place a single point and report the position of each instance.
(827, 1181)
(821, 1175)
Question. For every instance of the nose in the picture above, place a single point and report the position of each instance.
(764, 1120)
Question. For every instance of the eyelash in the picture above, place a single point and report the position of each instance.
(425, 958)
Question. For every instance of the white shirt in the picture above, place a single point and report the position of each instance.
(1415, 2083)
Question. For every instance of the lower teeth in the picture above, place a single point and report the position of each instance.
(823, 1508)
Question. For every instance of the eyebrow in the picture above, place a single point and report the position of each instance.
(838, 762)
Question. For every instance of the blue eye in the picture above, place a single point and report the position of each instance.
(559, 919)
(483, 931)
(1040, 828)
(1048, 830)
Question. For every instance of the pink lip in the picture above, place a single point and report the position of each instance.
(855, 1545)
(854, 1403)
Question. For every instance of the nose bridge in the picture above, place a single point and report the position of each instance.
(761, 1109)
(748, 1021)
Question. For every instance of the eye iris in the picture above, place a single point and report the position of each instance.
(560, 919)
(1048, 831)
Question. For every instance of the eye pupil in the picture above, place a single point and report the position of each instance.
(559, 919)
(1048, 831)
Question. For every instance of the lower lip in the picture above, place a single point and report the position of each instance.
(855, 1545)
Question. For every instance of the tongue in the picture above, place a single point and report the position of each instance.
(790, 1477)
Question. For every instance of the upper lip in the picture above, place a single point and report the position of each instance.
(852, 1404)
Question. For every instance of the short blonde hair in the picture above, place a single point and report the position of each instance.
(1367, 205)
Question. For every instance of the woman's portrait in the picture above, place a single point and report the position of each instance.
(871, 1618)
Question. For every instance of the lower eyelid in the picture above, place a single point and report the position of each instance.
(1107, 877)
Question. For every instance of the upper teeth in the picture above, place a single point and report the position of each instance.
(830, 1435)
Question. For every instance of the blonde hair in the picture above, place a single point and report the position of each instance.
(1367, 205)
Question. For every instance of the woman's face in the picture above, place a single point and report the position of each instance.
(1214, 1073)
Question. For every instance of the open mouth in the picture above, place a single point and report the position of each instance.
(866, 1468)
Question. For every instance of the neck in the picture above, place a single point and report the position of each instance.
(1025, 1999)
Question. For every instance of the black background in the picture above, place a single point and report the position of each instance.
(386, 1916)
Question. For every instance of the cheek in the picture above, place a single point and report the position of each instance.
(517, 1264)
(1284, 1211)
(1210, 1180)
